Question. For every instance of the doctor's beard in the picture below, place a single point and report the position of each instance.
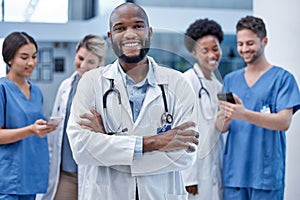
(132, 59)
(135, 59)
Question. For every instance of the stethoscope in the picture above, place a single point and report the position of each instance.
(166, 117)
(205, 91)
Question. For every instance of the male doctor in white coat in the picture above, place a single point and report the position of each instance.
(148, 113)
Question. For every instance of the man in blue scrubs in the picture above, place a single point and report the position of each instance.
(266, 98)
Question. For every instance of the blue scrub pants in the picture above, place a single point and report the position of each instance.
(16, 197)
(234, 193)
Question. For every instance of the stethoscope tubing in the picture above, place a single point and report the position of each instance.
(200, 95)
(166, 117)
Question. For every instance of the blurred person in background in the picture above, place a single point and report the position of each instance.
(65, 174)
(203, 180)
(24, 155)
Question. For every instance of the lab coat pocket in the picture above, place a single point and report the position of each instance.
(175, 197)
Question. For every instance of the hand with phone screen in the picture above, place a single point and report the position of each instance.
(228, 96)
(55, 120)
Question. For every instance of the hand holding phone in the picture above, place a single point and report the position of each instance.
(55, 120)
(228, 96)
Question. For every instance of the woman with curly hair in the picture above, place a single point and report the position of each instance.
(203, 179)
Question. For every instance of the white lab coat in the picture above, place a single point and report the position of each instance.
(206, 171)
(55, 140)
(111, 171)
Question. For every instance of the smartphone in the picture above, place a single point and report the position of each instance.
(55, 120)
(226, 97)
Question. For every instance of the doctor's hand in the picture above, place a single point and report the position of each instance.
(229, 111)
(175, 139)
(232, 111)
(92, 122)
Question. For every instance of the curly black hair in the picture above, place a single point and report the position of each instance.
(201, 28)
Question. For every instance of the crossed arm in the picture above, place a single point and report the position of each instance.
(177, 138)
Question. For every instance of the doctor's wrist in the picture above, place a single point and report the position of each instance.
(150, 143)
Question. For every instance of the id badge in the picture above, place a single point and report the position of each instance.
(164, 129)
(265, 109)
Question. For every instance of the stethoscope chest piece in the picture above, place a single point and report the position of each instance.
(166, 118)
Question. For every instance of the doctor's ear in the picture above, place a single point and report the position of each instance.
(150, 32)
(265, 41)
(109, 36)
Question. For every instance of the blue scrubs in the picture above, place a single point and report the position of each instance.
(254, 156)
(24, 165)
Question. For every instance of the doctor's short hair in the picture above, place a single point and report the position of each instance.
(254, 24)
(13, 42)
(93, 43)
(201, 28)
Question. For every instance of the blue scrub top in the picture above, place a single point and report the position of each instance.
(24, 165)
(254, 156)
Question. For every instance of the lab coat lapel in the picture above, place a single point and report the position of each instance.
(119, 83)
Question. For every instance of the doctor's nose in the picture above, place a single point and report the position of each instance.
(32, 61)
(83, 64)
(130, 33)
(212, 55)
(245, 48)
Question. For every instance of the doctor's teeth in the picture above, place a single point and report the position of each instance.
(131, 44)
(212, 62)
